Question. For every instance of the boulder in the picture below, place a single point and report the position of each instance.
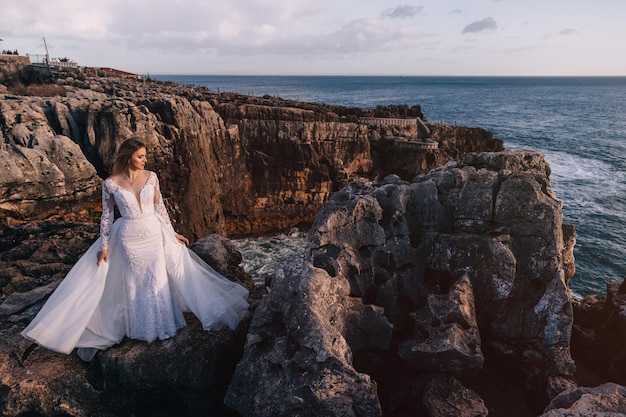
(444, 396)
(599, 333)
(46, 176)
(297, 360)
(606, 400)
(446, 336)
(224, 257)
(403, 246)
(184, 375)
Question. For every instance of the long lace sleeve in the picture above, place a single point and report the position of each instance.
(159, 207)
(106, 220)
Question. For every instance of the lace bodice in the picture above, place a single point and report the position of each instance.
(148, 202)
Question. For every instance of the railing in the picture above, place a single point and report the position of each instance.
(411, 144)
(380, 121)
(420, 141)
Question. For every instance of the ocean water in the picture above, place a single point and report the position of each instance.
(579, 123)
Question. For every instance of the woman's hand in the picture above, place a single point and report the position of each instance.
(182, 239)
(103, 256)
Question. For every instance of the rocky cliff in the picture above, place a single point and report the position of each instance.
(426, 292)
(463, 265)
(230, 164)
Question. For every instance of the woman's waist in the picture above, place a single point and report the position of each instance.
(139, 217)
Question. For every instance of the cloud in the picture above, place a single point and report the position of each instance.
(402, 12)
(568, 31)
(455, 11)
(488, 23)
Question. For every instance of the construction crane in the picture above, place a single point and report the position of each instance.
(47, 54)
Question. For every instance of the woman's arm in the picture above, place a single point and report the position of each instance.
(106, 221)
(161, 212)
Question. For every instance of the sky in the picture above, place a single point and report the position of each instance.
(324, 37)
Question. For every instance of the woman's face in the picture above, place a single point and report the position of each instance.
(139, 159)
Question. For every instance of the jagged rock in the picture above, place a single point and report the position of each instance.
(405, 157)
(444, 396)
(34, 254)
(224, 257)
(297, 360)
(606, 400)
(43, 383)
(599, 333)
(19, 301)
(398, 243)
(193, 360)
(183, 375)
(446, 336)
(228, 163)
(47, 177)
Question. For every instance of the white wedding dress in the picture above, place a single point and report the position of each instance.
(150, 279)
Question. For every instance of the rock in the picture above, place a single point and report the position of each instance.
(443, 396)
(228, 163)
(606, 400)
(192, 361)
(402, 246)
(446, 335)
(19, 301)
(183, 375)
(569, 240)
(223, 255)
(47, 177)
(35, 254)
(297, 360)
(599, 333)
(407, 160)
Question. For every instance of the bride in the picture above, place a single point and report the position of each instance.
(138, 278)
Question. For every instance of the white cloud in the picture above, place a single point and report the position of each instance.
(404, 11)
(309, 36)
(488, 23)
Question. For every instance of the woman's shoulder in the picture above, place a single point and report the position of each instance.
(112, 181)
(151, 175)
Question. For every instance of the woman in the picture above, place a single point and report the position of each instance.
(143, 277)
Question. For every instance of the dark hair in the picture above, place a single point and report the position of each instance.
(125, 152)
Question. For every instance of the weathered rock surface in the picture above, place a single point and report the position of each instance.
(607, 400)
(402, 246)
(599, 333)
(443, 396)
(35, 254)
(404, 266)
(297, 358)
(445, 337)
(186, 375)
(43, 175)
(229, 163)
(224, 257)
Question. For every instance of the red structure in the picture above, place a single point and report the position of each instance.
(117, 73)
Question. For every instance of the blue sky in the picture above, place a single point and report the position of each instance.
(368, 37)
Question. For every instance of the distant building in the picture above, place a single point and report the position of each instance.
(115, 72)
(53, 62)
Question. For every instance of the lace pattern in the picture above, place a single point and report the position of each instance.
(148, 202)
(106, 220)
(152, 310)
(141, 291)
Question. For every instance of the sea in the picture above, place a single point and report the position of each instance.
(579, 123)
